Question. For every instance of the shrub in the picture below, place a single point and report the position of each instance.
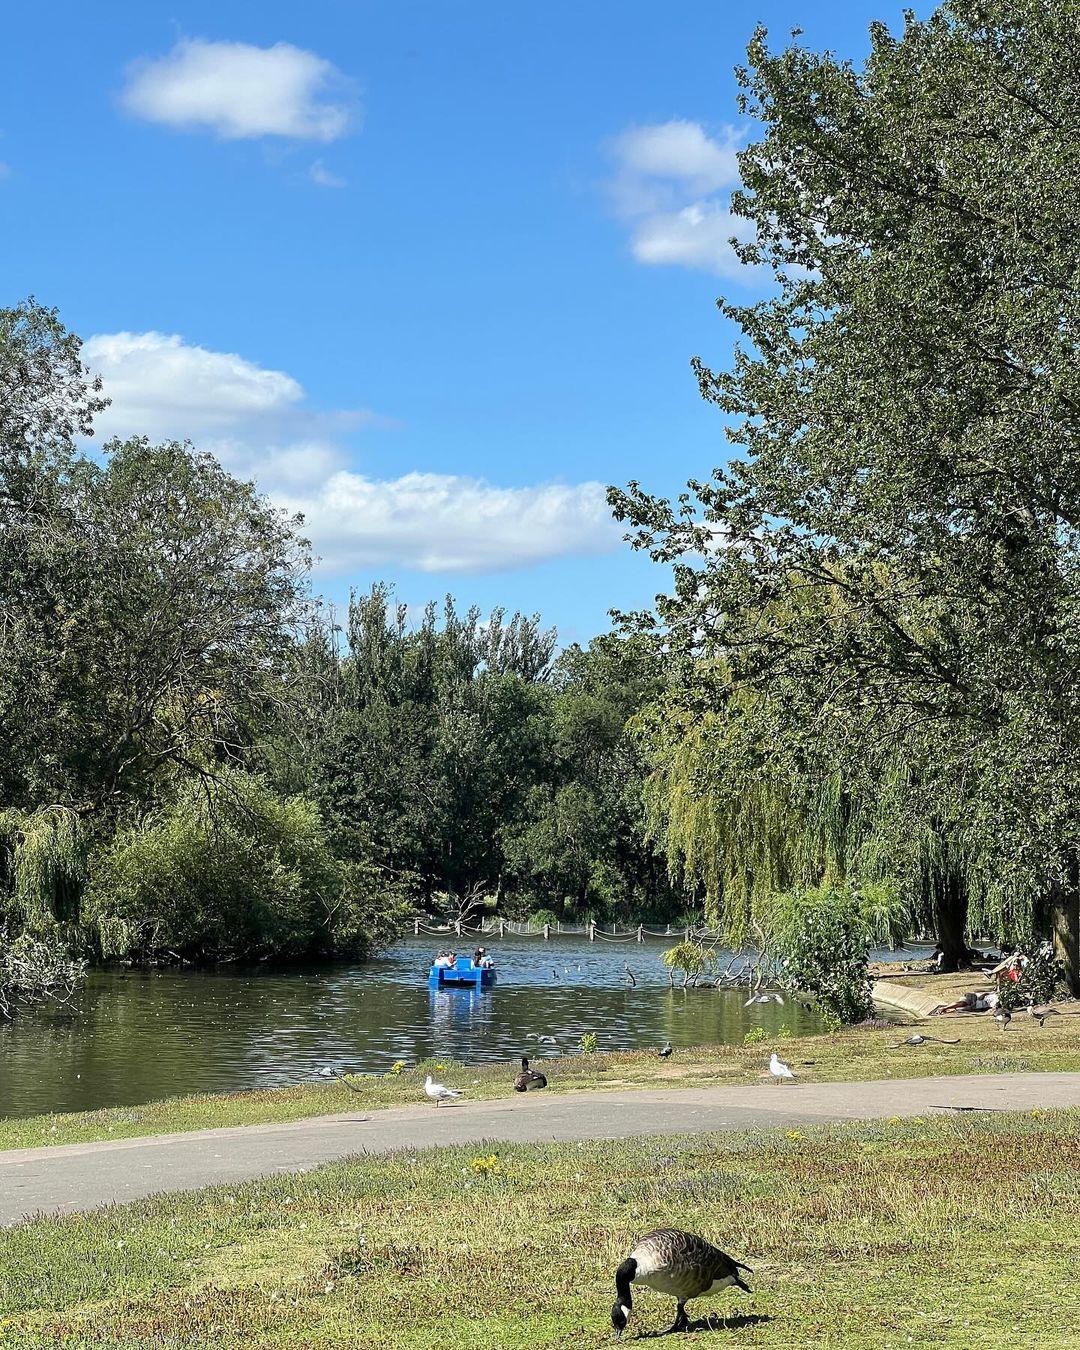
(234, 870)
(822, 938)
(692, 958)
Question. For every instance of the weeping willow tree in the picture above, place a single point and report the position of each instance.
(43, 866)
(753, 800)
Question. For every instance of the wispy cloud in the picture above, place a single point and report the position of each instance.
(322, 177)
(239, 91)
(671, 186)
(259, 424)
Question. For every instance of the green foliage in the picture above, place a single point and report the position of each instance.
(820, 938)
(692, 958)
(45, 864)
(879, 671)
(233, 870)
(1042, 979)
(588, 1042)
(755, 1036)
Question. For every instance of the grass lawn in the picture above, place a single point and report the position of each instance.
(958, 1232)
(856, 1054)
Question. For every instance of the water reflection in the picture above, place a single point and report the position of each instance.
(141, 1035)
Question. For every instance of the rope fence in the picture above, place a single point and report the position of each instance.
(593, 931)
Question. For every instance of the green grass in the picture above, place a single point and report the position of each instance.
(852, 1055)
(949, 1232)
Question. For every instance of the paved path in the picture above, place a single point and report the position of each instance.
(73, 1177)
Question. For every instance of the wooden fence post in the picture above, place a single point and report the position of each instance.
(640, 934)
(457, 927)
(592, 931)
(416, 927)
(547, 932)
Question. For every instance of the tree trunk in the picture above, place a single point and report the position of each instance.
(1065, 922)
(950, 920)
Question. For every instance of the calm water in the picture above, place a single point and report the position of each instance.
(138, 1036)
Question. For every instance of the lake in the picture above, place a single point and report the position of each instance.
(135, 1036)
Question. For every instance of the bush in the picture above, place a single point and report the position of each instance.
(233, 870)
(822, 939)
(692, 958)
(1041, 980)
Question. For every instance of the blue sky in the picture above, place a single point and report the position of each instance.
(429, 272)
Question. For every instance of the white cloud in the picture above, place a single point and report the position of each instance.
(258, 423)
(322, 177)
(697, 236)
(680, 152)
(671, 186)
(447, 523)
(239, 91)
(162, 386)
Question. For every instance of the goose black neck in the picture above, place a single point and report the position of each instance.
(623, 1277)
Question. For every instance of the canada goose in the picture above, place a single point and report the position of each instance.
(919, 1039)
(779, 1069)
(528, 1078)
(439, 1092)
(1041, 1014)
(630, 980)
(541, 1040)
(666, 1051)
(679, 1264)
(1003, 1017)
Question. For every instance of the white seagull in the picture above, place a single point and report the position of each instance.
(779, 1069)
(439, 1092)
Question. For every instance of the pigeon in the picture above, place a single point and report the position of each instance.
(666, 1051)
(779, 1069)
(918, 1039)
(439, 1092)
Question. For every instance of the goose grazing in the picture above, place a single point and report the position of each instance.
(1041, 1014)
(528, 1079)
(666, 1051)
(1003, 1017)
(919, 1039)
(679, 1264)
(439, 1092)
(779, 1069)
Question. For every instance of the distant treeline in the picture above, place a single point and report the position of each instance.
(198, 762)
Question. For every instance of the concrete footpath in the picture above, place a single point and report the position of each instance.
(76, 1177)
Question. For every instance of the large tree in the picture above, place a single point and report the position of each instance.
(907, 405)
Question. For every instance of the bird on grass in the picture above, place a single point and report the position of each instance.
(779, 1069)
(666, 1051)
(919, 1039)
(679, 1264)
(528, 1079)
(1003, 1017)
(439, 1092)
(1041, 1014)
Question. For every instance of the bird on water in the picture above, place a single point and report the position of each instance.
(528, 1079)
(439, 1092)
(679, 1264)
